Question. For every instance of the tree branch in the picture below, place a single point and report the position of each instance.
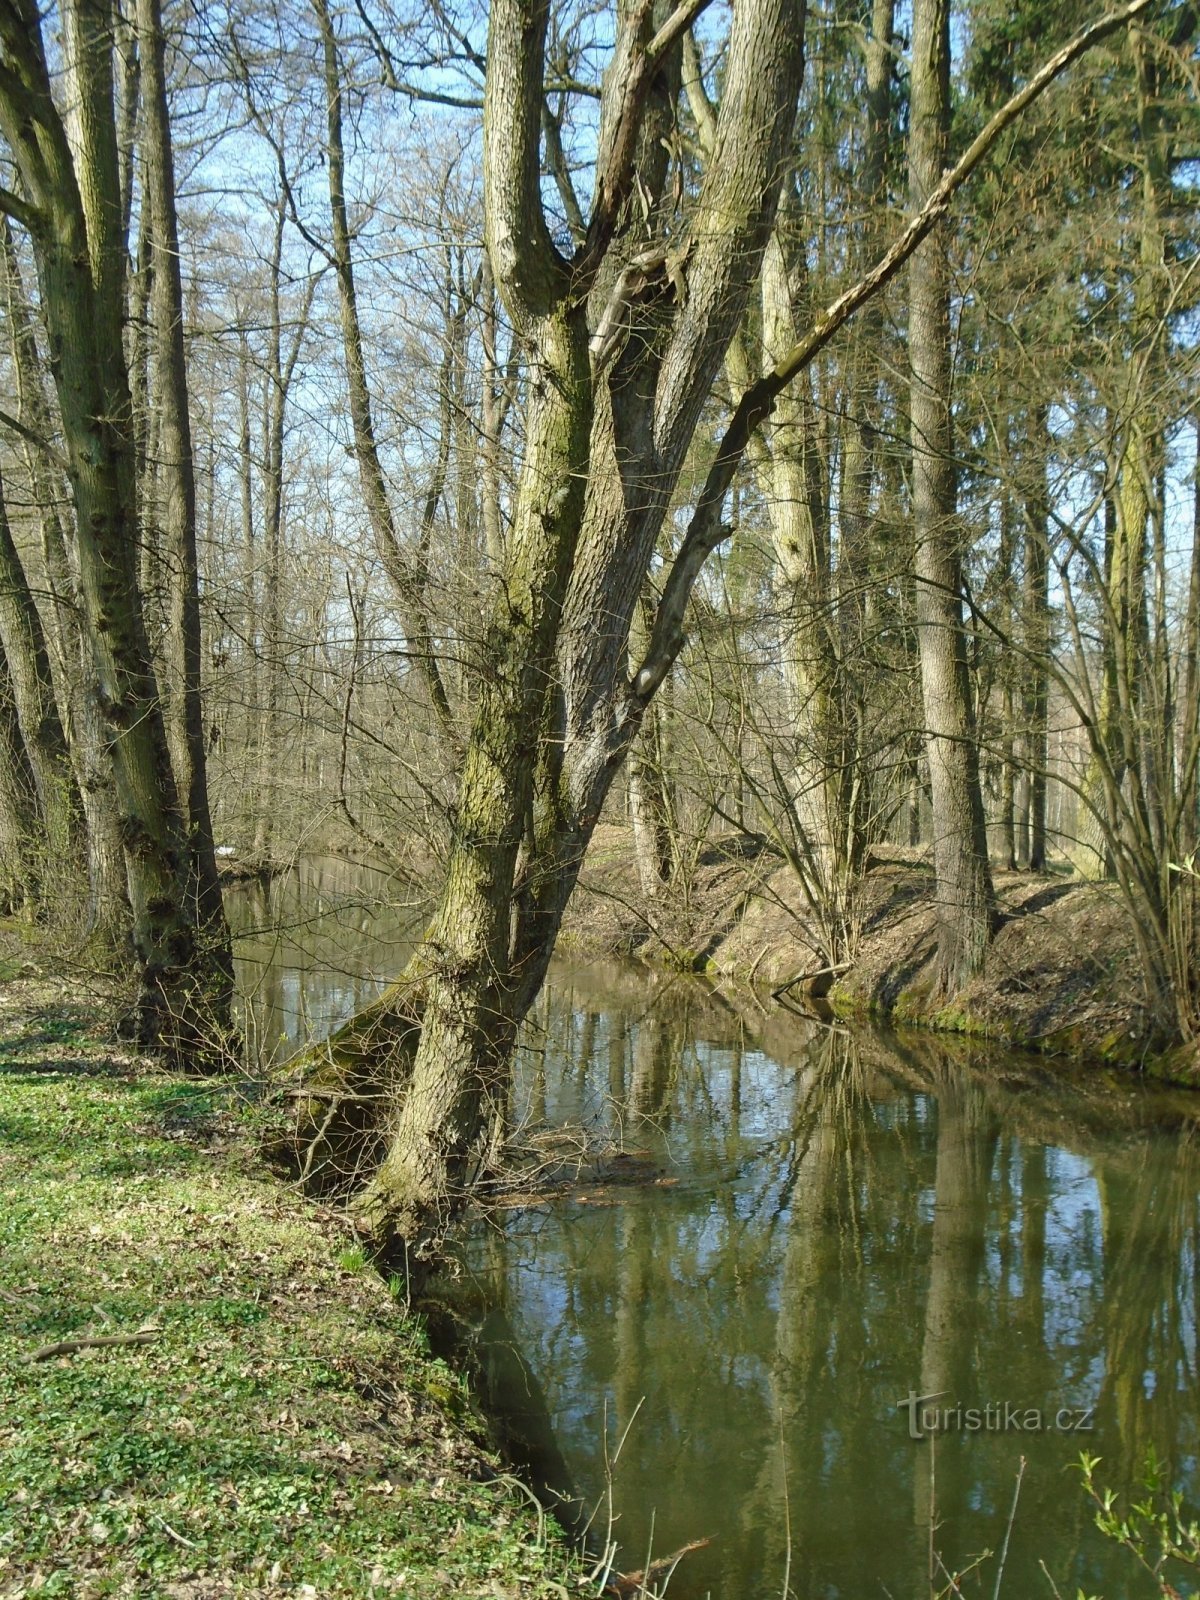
(556, 162)
(616, 169)
(19, 210)
(35, 439)
(530, 273)
(705, 531)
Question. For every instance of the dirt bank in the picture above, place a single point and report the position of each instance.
(1062, 975)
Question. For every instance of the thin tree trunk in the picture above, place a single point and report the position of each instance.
(21, 859)
(964, 885)
(406, 574)
(176, 467)
(37, 709)
(1038, 644)
(250, 617)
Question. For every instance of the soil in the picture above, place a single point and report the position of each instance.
(1062, 974)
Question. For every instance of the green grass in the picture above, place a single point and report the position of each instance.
(286, 1432)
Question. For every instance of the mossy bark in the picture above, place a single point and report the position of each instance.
(75, 223)
(606, 433)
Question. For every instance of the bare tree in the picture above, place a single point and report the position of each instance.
(964, 884)
(71, 208)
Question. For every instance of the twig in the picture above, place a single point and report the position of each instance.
(633, 1584)
(1012, 1517)
(178, 1537)
(97, 1341)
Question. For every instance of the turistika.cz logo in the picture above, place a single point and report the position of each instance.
(997, 1416)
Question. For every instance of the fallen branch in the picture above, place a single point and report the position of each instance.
(178, 1537)
(808, 976)
(628, 1585)
(96, 1341)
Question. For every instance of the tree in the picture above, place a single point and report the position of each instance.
(623, 340)
(108, 917)
(963, 877)
(185, 714)
(71, 207)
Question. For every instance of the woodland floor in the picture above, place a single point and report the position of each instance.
(1062, 974)
(282, 1429)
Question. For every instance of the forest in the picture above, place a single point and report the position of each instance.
(432, 432)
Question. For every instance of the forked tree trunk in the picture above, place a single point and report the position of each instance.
(963, 877)
(507, 886)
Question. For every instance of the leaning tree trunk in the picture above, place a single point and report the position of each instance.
(20, 857)
(37, 710)
(963, 876)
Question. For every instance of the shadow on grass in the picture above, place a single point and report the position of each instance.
(67, 1067)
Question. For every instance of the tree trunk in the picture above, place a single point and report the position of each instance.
(1038, 645)
(74, 218)
(470, 1014)
(405, 573)
(20, 858)
(176, 468)
(37, 710)
(964, 885)
(73, 667)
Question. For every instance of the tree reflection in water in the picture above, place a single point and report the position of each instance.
(854, 1217)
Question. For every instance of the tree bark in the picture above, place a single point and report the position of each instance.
(176, 468)
(73, 212)
(37, 710)
(964, 885)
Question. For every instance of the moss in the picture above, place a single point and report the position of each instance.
(911, 1005)
(1178, 1066)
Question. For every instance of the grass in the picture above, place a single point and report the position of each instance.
(284, 1431)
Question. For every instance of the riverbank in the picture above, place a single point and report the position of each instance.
(1062, 975)
(204, 1389)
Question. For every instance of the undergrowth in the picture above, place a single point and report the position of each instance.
(281, 1428)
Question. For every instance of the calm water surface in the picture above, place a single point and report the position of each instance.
(837, 1220)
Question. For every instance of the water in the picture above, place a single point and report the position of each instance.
(828, 1222)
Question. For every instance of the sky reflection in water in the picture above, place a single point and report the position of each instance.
(848, 1219)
